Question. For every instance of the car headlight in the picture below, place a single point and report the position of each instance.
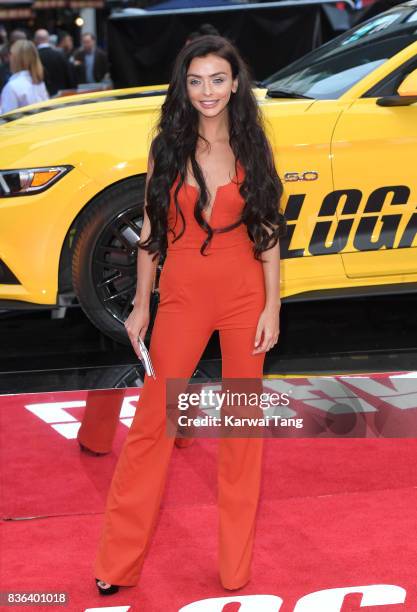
(27, 181)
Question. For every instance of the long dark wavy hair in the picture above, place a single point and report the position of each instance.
(175, 145)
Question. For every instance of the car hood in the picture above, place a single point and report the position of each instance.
(50, 131)
(87, 105)
(81, 105)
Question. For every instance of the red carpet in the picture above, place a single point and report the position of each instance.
(334, 514)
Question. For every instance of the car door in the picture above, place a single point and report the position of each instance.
(363, 217)
(374, 149)
(301, 135)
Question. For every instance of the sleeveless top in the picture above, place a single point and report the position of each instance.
(225, 210)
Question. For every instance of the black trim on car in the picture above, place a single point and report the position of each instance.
(6, 275)
(388, 85)
(352, 292)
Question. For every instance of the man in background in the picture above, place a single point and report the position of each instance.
(90, 61)
(57, 70)
(66, 44)
(66, 47)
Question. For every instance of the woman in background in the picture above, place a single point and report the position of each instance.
(26, 85)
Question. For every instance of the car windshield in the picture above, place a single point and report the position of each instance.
(330, 70)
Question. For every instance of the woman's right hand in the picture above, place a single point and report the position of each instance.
(136, 325)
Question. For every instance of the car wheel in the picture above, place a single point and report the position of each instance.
(104, 258)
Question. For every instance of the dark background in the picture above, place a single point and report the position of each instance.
(142, 48)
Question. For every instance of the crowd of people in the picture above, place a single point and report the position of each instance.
(36, 70)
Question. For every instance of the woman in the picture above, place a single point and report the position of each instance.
(26, 85)
(212, 206)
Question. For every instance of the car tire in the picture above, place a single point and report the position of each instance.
(104, 258)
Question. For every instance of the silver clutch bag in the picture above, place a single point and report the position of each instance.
(146, 358)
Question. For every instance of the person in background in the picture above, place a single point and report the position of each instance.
(4, 65)
(3, 35)
(4, 68)
(66, 44)
(205, 28)
(57, 70)
(17, 35)
(90, 61)
(53, 40)
(5, 72)
(66, 47)
(26, 85)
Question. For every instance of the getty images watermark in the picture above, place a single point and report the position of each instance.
(348, 406)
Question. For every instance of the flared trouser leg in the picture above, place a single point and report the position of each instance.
(138, 482)
(239, 468)
(100, 420)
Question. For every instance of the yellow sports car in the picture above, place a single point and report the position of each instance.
(343, 124)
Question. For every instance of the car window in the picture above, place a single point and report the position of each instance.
(388, 86)
(330, 70)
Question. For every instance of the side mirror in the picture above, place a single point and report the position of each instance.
(406, 93)
(409, 86)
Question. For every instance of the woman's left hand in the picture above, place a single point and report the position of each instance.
(268, 327)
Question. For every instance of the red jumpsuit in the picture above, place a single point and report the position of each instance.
(224, 290)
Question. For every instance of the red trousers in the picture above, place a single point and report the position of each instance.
(198, 294)
(101, 418)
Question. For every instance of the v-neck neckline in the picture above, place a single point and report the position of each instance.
(218, 188)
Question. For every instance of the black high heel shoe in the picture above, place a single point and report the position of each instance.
(113, 588)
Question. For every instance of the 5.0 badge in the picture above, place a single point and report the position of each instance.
(308, 175)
